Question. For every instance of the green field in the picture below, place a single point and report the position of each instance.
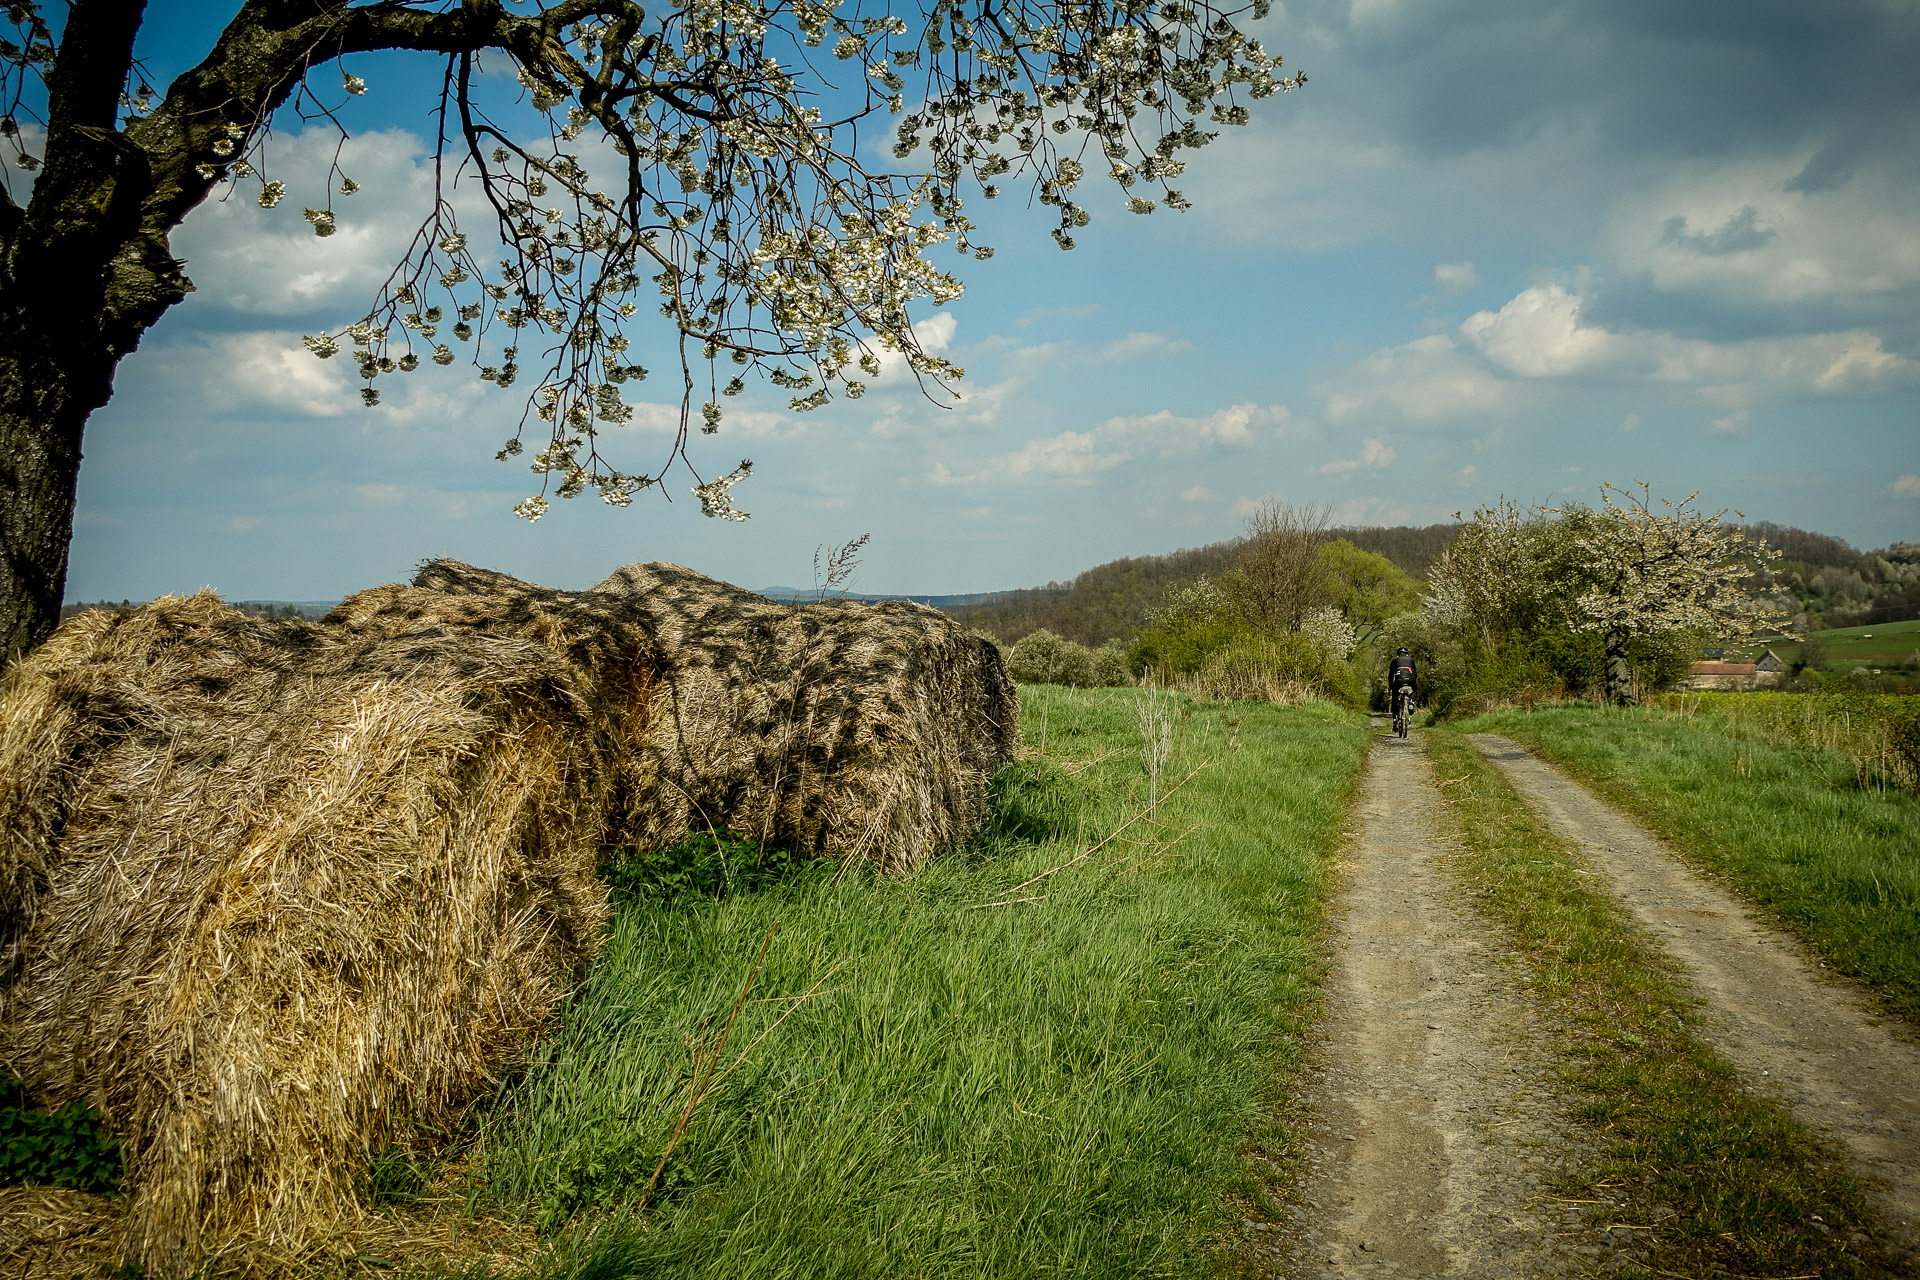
(1885, 645)
(923, 1084)
(1795, 828)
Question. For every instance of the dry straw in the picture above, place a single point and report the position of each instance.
(866, 731)
(272, 891)
(276, 886)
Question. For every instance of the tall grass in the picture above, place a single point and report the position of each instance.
(1786, 825)
(1878, 735)
(921, 1084)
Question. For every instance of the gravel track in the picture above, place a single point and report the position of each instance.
(1796, 1031)
(1435, 1127)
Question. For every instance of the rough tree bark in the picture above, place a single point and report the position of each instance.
(1620, 690)
(85, 267)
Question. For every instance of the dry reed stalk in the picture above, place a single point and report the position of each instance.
(704, 1062)
(277, 888)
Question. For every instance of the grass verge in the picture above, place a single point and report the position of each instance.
(1708, 1178)
(1836, 864)
(920, 1083)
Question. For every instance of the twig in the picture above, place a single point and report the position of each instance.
(1007, 902)
(703, 1064)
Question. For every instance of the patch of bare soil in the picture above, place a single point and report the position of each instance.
(1435, 1130)
(1798, 1032)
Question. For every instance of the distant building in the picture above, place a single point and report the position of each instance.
(1763, 674)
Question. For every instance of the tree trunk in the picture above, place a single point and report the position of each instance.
(44, 405)
(1620, 690)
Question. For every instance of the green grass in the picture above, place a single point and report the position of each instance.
(1881, 645)
(1788, 827)
(1047, 1088)
(1723, 1182)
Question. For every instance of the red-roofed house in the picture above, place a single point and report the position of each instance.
(1763, 674)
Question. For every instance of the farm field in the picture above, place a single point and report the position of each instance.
(1881, 645)
(1013, 1063)
(1792, 827)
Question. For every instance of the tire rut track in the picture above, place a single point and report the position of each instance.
(1807, 1039)
(1436, 1127)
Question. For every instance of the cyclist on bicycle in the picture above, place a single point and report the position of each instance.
(1400, 676)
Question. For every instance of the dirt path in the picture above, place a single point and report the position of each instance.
(1819, 1046)
(1436, 1127)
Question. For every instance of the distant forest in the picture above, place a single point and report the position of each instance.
(1112, 600)
(1822, 582)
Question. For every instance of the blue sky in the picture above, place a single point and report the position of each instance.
(1490, 248)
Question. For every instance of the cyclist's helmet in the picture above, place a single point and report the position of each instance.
(1403, 651)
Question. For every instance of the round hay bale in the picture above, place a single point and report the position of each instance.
(866, 731)
(274, 889)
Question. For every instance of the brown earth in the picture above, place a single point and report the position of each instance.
(1435, 1130)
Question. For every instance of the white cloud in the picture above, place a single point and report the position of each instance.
(1749, 232)
(1465, 476)
(380, 495)
(1907, 486)
(243, 524)
(1428, 379)
(267, 369)
(1196, 493)
(268, 261)
(1373, 456)
(935, 335)
(1072, 456)
(1539, 335)
(1734, 424)
(1075, 456)
(1370, 511)
(1138, 346)
(1455, 277)
(754, 424)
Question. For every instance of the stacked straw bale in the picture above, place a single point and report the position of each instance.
(270, 889)
(865, 731)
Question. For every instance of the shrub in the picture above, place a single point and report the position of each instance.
(1287, 668)
(1042, 657)
(1111, 665)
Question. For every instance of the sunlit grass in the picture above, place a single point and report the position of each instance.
(1053, 1087)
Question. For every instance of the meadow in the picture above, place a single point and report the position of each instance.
(1036, 1058)
(1885, 644)
(1795, 824)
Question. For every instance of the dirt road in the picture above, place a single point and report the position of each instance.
(1813, 1042)
(1436, 1129)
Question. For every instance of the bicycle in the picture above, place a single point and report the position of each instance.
(1402, 710)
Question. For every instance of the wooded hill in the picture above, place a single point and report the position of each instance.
(1830, 582)
(1112, 600)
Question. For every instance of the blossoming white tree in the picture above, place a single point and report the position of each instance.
(1657, 572)
(690, 157)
